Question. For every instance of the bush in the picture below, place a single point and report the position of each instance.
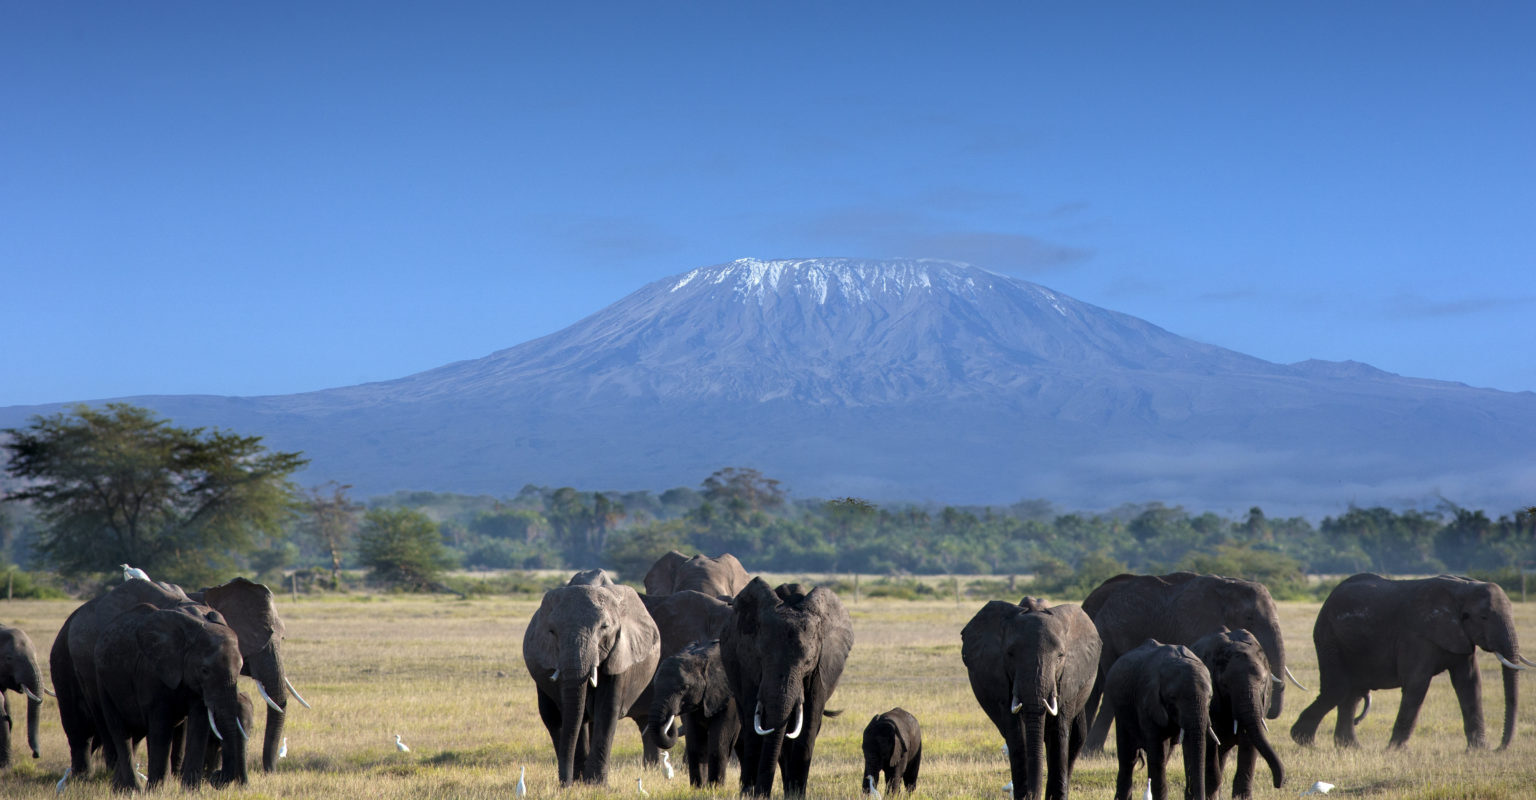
(402, 549)
(1278, 572)
(24, 585)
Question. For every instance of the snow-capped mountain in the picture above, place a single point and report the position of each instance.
(914, 380)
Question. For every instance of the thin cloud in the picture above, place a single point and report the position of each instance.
(889, 232)
(1411, 306)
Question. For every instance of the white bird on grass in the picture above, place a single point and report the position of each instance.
(522, 788)
(1321, 787)
(640, 784)
(132, 573)
(869, 787)
(282, 751)
(58, 788)
(1148, 794)
(1008, 787)
(401, 746)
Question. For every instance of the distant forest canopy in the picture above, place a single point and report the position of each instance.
(748, 514)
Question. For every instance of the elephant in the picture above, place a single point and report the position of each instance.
(783, 657)
(1178, 608)
(19, 673)
(1377, 633)
(590, 633)
(682, 618)
(1241, 682)
(691, 683)
(214, 745)
(247, 607)
(1032, 668)
(722, 576)
(893, 744)
(156, 667)
(1158, 694)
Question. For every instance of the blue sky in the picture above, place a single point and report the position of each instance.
(269, 198)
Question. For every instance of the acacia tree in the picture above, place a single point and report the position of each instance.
(331, 522)
(122, 485)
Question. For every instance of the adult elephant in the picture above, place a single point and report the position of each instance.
(722, 576)
(1032, 669)
(1376, 633)
(157, 667)
(1178, 608)
(1241, 682)
(691, 684)
(19, 673)
(1160, 694)
(783, 657)
(251, 611)
(589, 634)
(682, 618)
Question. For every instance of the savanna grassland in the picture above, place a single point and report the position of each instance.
(447, 675)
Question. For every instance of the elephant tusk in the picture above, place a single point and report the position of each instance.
(50, 692)
(295, 692)
(214, 726)
(1234, 727)
(554, 676)
(1262, 724)
(757, 721)
(1522, 658)
(593, 679)
(1276, 680)
(799, 721)
(32, 696)
(268, 698)
(672, 723)
(1293, 680)
(1017, 704)
(243, 735)
(1051, 705)
(1212, 732)
(1506, 662)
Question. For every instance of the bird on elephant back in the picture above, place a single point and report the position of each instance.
(246, 607)
(1376, 633)
(1178, 608)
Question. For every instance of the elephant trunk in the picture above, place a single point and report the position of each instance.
(266, 667)
(775, 716)
(1248, 718)
(1034, 757)
(34, 713)
(664, 724)
(1511, 704)
(768, 762)
(573, 712)
(1196, 723)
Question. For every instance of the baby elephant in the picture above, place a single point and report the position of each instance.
(893, 744)
(1159, 692)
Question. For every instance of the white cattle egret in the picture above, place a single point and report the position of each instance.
(282, 751)
(1008, 787)
(1321, 787)
(1005, 748)
(59, 787)
(401, 746)
(1148, 794)
(133, 573)
(666, 764)
(869, 787)
(522, 787)
(640, 784)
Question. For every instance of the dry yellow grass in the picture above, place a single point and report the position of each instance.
(448, 676)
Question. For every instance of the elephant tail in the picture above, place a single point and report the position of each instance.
(1365, 710)
(828, 712)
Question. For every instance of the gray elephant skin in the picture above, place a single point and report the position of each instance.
(1157, 693)
(1032, 669)
(1376, 633)
(1178, 608)
(247, 607)
(157, 667)
(893, 746)
(1241, 682)
(591, 649)
(783, 657)
(19, 673)
(721, 576)
(690, 684)
(682, 618)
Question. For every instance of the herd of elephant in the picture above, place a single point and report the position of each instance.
(1175, 660)
(1180, 658)
(150, 662)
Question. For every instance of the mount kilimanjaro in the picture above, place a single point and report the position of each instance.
(899, 380)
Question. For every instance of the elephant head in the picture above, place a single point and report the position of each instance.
(784, 656)
(18, 673)
(590, 636)
(1459, 614)
(721, 576)
(250, 610)
(1241, 682)
(693, 679)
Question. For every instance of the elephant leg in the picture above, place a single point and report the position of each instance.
(650, 754)
(1215, 764)
(1058, 770)
(178, 742)
(1098, 733)
(1125, 753)
(1468, 686)
(1408, 712)
(1344, 722)
(909, 775)
(157, 750)
(1247, 761)
(751, 754)
(605, 716)
(549, 713)
(891, 784)
(1304, 731)
(797, 754)
(117, 739)
(1157, 768)
(5, 731)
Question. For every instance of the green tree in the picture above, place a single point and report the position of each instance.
(330, 522)
(122, 485)
(402, 548)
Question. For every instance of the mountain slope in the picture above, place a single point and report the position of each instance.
(911, 380)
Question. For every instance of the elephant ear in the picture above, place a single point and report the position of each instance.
(1153, 704)
(162, 641)
(660, 579)
(751, 601)
(836, 630)
(541, 660)
(981, 640)
(249, 611)
(1442, 621)
(639, 640)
